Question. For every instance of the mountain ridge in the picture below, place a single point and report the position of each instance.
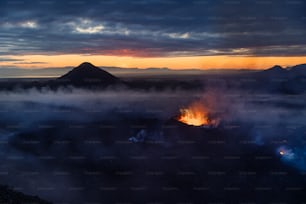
(118, 71)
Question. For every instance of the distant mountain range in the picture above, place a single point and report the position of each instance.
(275, 69)
(278, 71)
(117, 71)
(298, 69)
(275, 79)
(121, 72)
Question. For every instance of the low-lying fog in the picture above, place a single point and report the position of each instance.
(64, 158)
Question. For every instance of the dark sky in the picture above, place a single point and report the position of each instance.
(153, 28)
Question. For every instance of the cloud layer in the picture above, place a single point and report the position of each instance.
(153, 27)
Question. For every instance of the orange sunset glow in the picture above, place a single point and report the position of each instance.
(200, 62)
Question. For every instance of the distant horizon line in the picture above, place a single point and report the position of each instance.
(148, 68)
(54, 72)
(173, 63)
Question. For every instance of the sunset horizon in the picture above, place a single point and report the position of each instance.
(175, 63)
(199, 34)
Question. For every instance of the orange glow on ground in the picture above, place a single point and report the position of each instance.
(201, 62)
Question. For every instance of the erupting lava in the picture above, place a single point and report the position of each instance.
(197, 115)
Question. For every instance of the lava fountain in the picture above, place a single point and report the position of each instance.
(197, 115)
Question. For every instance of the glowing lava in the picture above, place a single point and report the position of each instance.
(197, 115)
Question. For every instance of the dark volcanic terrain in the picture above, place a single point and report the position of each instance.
(90, 137)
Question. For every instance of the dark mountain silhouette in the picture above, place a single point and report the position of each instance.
(87, 73)
(295, 71)
(88, 76)
(275, 70)
(274, 73)
(296, 83)
(290, 80)
(10, 196)
(299, 70)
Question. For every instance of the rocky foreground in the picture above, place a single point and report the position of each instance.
(9, 196)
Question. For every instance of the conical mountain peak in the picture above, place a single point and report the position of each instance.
(87, 65)
(87, 72)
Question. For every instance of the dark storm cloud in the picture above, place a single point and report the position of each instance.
(153, 27)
